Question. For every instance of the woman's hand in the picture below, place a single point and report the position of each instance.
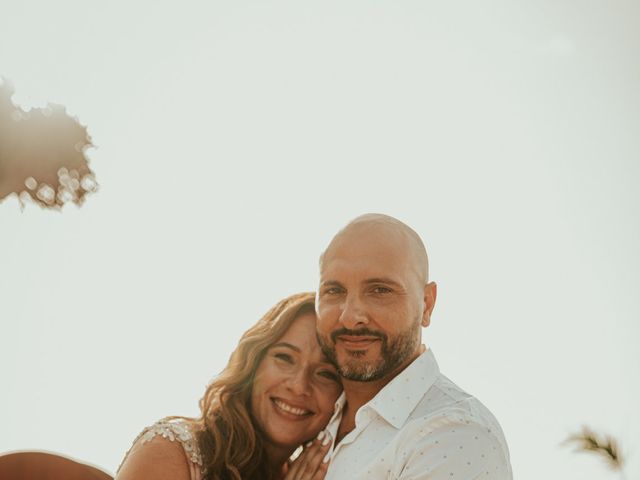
(313, 462)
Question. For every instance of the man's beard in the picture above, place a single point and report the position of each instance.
(393, 353)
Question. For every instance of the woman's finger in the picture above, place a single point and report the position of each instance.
(313, 466)
(309, 464)
(321, 467)
(291, 472)
(293, 468)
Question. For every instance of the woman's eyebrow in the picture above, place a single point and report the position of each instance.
(287, 345)
(326, 361)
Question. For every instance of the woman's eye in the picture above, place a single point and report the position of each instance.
(330, 375)
(285, 357)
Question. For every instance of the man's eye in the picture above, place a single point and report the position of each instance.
(381, 290)
(333, 291)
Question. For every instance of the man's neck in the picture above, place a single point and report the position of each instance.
(359, 393)
(356, 395)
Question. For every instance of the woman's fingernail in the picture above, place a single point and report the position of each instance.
(308, 444)
(326, 457)
(326, 440)
(321, 435)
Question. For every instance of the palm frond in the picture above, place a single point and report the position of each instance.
(604, 446)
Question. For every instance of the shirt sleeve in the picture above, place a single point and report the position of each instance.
(455, 451)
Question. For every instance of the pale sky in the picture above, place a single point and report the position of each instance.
(235, 138)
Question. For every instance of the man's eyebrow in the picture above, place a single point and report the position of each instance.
(287, 345)
(385, 280)
(368, 281)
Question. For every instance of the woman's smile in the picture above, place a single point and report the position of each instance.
(290, 409)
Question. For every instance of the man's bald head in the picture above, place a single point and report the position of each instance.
(377, 226)
(373, 285)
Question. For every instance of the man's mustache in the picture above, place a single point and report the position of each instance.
(360, 332)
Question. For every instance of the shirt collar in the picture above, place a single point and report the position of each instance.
(337, 408)
(400, 396)
(334, 423)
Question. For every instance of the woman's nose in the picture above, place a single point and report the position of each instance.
(299, 382)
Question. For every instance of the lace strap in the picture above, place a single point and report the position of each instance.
(174, 430)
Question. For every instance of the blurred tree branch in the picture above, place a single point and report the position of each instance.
(604, 446)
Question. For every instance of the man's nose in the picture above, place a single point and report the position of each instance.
(353, 313)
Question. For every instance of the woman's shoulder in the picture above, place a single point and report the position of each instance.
(167, 449)
(179, 430)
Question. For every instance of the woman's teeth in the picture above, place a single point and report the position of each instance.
(288, 408)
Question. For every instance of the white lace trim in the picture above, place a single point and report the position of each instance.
(174, 429)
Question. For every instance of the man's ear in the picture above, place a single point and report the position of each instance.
(430, 293)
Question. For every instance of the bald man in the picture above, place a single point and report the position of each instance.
(399, 417)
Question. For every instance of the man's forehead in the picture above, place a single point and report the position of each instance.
(369, 241)
(369, 244)
(371, 228)
(368, 259)
(362, 265)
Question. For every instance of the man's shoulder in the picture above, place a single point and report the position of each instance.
(445, 399)
(450, 425)
(447, 407)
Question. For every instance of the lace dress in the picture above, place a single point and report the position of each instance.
(176, 430)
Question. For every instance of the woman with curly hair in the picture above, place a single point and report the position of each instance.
(276, 393)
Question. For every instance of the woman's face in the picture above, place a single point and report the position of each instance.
(295, 387)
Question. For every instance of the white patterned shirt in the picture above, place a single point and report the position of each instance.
(420, 426)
